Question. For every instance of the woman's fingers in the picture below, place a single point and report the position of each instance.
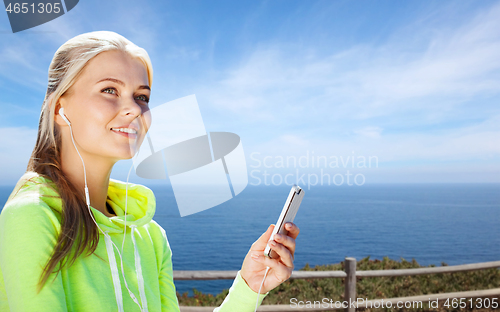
(286, 256)
(279, 269)
(293, 229)
(286, 241)
(283, 245)
(261, 243)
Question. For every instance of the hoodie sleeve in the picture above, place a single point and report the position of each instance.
(28, 234)
(168, 294)
(240, 298)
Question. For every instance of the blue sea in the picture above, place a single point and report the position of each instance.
(431, 223)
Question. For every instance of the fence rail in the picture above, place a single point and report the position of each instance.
(350, 275)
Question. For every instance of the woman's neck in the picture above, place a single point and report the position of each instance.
(98, 172)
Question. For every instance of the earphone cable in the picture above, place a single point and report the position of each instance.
(260, 288)
(87, 198)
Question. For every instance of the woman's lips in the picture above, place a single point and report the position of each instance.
(126, 134)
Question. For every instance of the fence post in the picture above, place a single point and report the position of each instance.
(350, 283)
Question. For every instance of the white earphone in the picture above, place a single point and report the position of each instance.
(61, 112)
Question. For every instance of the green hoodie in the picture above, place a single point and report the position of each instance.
(30, 223)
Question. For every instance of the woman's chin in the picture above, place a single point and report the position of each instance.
(129, 155)
(124, 155)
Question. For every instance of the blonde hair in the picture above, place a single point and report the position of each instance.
(77, 226)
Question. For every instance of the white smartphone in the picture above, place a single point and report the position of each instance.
(288, 213)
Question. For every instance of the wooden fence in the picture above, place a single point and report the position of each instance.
(350, 275)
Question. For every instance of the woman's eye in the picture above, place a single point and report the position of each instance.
(109, 90)
(143, 98)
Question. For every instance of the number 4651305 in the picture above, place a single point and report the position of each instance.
(479, 303)
(40, 8)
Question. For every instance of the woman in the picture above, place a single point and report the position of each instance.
(58, 244)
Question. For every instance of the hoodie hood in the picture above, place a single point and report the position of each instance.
(140, 201)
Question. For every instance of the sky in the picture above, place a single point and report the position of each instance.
(311, 87)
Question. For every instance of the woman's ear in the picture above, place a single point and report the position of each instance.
(57, 117)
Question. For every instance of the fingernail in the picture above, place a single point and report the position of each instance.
(272, 243)
(255, 255)
(277, 236)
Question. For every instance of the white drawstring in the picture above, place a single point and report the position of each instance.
(114, 272)
(113, 266)
(140, 279)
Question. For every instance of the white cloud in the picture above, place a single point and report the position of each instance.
(362, 82)
(293, 140)
(479, 143)
(375, 100)
(16, 146)
(370, 132)
(18, 64)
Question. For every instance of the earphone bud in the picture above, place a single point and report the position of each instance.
(61, 112)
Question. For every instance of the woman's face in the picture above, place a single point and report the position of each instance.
(109, 95)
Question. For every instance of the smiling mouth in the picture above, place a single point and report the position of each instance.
(126, 132)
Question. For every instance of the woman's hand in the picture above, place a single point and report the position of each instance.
(255, 263)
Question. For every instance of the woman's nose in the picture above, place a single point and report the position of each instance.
(131, 107)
